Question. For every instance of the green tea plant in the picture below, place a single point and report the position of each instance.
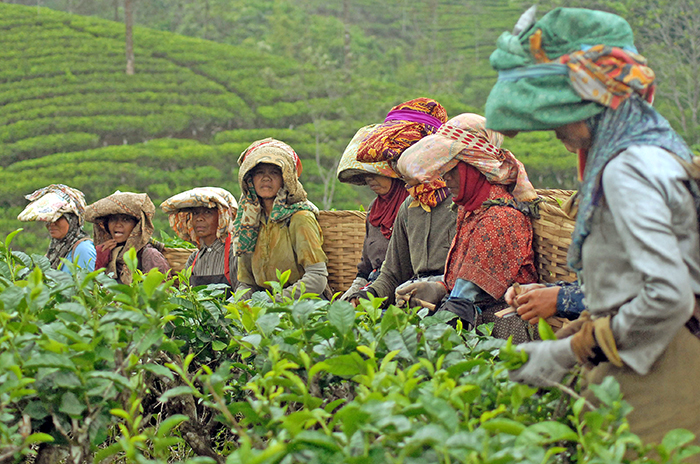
(158, 371)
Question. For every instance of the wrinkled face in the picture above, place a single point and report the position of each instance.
(205, 222)
(379, 184)
(452, 180)
(575, 136)
(120, 226)
(59, 228)
(267, 180)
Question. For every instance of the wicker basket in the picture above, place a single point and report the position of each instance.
(343, 237)
(552, 236)
(177, 257)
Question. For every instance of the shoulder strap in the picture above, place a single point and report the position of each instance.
(227, 251)
(691, 167)
(75, 245)
(194, 261)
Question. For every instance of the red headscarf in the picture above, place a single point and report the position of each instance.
(384, 208)
(474, 187)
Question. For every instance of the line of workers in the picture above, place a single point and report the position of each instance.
(450, 228)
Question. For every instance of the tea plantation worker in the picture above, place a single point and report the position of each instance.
(493, 245)
(635, 244)
(276, 227)
(62, 208)
(425, 224)
(204, 216)
(123, 221)
(391, 192)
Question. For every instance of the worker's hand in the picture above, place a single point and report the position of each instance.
(537, 303)
(510, 293)
(426, 292)
(107, 245)
(548, 362)
(356, 286)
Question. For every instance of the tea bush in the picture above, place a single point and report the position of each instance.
(156, 372)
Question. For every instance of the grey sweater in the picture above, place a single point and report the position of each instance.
(418, 246)
(642, 257)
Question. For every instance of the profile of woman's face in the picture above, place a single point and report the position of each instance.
(59, 228)
(575, 136)
(267, 180)
(380, 185)
(120, 226)
(452, 180)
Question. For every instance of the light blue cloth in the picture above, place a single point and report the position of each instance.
(86, 255)
(467, 290)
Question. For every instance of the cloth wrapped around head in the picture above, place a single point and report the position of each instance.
(51, 203)
(352, 171)
(384, 209)
(404, 125)
(180, 218)
(290, 198)
(579, 65)
(136, 205)
(564, 68)
(465, 138)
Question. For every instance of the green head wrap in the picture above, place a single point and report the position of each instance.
(531, 95)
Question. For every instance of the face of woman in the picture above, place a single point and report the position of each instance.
(378, 184)
(575, 136)
(206, 223)
(267, 180)
(120, 226)
(452, 180)
(59, 228)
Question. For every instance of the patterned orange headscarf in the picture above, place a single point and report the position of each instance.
(405, 124)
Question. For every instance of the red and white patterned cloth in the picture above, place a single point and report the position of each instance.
(492, 247)
(465, 138)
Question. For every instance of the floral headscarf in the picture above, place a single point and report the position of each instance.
(51, 203)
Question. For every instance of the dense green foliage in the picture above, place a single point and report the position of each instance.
(153, 372)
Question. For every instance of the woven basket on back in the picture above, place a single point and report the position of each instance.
(343, 236)
(177, 257)
(552, 236)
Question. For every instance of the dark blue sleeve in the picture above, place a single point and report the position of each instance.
(569, 300)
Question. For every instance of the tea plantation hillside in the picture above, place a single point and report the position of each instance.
(69, 113)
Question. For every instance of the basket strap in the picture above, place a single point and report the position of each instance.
(194, 261)
(227, 250)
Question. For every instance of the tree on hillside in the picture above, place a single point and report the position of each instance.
(670, 35)
(667, 33)
(129, 23)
